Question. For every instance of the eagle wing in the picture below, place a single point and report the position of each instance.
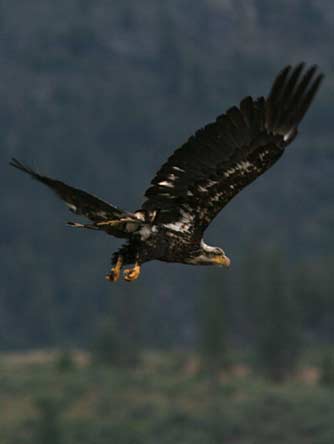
(106, 216)
(205, 173)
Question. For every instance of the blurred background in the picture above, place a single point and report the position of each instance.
(98, 94)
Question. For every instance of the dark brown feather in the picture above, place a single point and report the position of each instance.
(80, 202)
(205, 173)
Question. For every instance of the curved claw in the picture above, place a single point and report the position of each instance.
(112, 276)
(132, 274)
(115, 272)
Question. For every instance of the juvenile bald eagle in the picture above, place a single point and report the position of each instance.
(199, 179)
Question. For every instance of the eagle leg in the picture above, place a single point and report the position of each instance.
(115, 272)
(77, 225)
(132, 274)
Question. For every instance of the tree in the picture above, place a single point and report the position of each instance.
(48, 427)
(113, 347)
(212, 327)
(278, 327)
(327, 369)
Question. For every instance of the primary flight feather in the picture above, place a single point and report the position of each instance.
(199, 178)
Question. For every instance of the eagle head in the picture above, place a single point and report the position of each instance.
(208, 255)
(218, 257)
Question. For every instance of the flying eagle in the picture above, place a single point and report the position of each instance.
(199, 179)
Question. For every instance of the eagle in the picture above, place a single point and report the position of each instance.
(198, 180)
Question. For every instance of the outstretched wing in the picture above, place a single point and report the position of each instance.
(84, 204)
(205, 173)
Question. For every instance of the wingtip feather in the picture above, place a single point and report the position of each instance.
(19, 165)
(290, 97)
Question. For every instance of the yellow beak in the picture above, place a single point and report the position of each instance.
(222, 260)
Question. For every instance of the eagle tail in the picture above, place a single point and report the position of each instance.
(105, 216)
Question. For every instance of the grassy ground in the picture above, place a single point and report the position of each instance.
(45, 399)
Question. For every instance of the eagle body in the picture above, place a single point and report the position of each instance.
(198, 179)
(166, 245)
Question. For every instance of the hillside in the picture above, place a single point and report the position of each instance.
(98, 94)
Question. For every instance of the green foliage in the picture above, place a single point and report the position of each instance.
(327, 369)
(65, 362)
(155, 403)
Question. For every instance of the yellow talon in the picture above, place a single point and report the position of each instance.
(115, 272)
(133, 273)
